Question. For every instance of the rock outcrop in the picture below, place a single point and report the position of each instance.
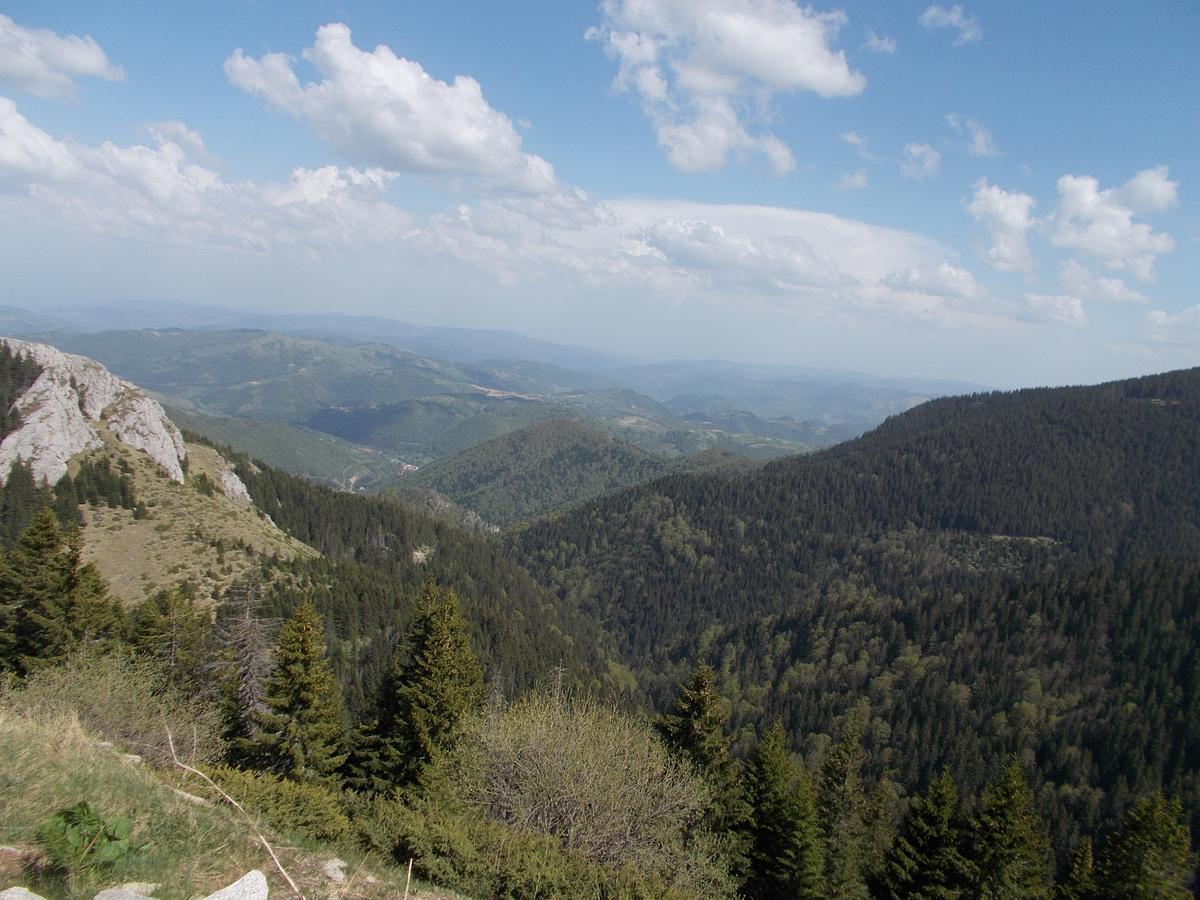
(62, 410)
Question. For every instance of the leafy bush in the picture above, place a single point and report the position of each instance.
(126, 700)
(575, 777)
(78, 838)
(304, 808)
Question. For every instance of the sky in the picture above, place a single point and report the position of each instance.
(1004, 193)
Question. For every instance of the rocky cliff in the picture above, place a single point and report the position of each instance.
(63, 412)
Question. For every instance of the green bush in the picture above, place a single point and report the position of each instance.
(457, 849)
(306, 809)
(549, 797)
(127, 700)
(79, 838)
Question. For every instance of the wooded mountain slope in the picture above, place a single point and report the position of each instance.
(547, 466)
(982, 575)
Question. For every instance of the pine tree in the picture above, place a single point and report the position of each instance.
(51, 603)
(930, 858)
(171, 629)
(1080, 880)
(785, 857)
(695, 729)
(302, 731)
(840, 808)
(1011, 847)
(435, 680)
(1151, 856)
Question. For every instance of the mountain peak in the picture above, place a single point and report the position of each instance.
(73, 399)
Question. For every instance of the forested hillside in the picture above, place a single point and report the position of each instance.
(980, 576)
(547, 466)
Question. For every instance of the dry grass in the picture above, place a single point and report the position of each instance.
(210, 541)
(191, 848)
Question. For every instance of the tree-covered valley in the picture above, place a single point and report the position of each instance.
(953, 657)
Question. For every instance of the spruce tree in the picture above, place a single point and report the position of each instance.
(840, 812)
(695, 729)
(785, 858)
(301, 732)
(170, 628)
(930, 858)
(1011, 847)
(1151, 856)
(435, 680)
(1079, 883)
(51, 603)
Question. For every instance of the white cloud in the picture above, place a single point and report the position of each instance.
(941, 280)
(981, 143)
(706, 70)
(968, 29)
(879, 44)
(155, 194)
(920, 161)
(1150, 190)
(1056, 309)
(852, 181)
(384, 110)
(1079, 281)
(1180, 328)
(858, 143)
(185, 138)
(27, 153)
(1100, 222)
(1007, 218)
(40, 62)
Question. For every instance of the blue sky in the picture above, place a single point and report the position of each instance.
(997, 192)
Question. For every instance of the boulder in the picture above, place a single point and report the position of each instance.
(251, 886)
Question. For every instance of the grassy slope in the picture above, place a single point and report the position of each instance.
(51, 762)
(208, 540)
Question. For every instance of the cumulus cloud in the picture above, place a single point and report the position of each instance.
(852, 181)
(384, 110)
(981, 142)
(878, 44)
(941, 280)
(157, 194)
(920, 161)
(1079, 281)
(953, 17)
(705, 70)
(1055, 309)
(1008, 219)
(1100, 222)
(40, 62)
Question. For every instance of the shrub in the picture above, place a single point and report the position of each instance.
(455, 848)
(581, 776)
(304, 808)
(126, 700)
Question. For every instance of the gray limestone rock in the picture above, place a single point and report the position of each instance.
(251, 886)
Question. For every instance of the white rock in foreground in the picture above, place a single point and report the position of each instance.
(251, 886)
(59, 409)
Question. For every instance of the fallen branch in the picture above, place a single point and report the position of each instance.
(239, 808)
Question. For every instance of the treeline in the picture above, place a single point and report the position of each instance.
(95, 483)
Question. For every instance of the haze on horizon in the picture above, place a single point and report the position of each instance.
(972, 192)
